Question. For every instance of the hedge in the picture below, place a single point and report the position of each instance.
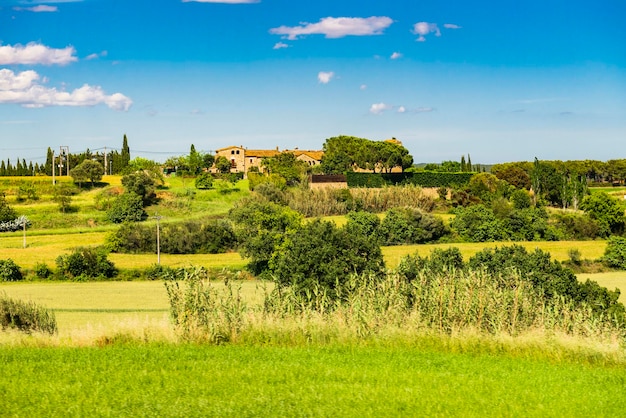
(423, 179)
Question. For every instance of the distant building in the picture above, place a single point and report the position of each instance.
(243, 159)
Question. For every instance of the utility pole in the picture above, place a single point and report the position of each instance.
(65, 152)
(53, 170)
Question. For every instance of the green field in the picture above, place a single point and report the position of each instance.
(419, 379)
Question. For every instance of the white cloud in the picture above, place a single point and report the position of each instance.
(451, 26)
(424, 28)
(34, 53)
(336, 27)
(324, 77)
(37, 9)
(424, 110)
(401, 109)
(280, 45)
(379, 108)
(396, 55)
(23, 89)
(96, 55)
(363, 87)
(223, 1)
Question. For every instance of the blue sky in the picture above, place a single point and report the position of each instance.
(501, 81)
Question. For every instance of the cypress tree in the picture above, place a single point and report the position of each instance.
(463, 168)
(47, 168)
(125, 156)
(3, 169)
(469, 163)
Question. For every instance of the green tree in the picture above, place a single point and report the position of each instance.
(142, 185)
(62, 195)
(286, 165)
(320, 256)
(49, 162)
(128, 207)
(87, 170)
(615, 253)
(260, 227)
(125, 155)
(410, 226)
(606, 211)
(7, 213)
(222, 164)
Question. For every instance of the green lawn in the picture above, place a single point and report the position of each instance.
(347, 381)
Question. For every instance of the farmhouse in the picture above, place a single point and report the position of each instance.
(243, 159)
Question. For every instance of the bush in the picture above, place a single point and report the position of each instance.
(204, 181)
(42, 271)
(615, 253)
(260, 226)
(6, 212)
(208, 236)
(318, 256)
(574, 226)
(410, 226)
(364, 223)
(9, 271)
(606, 211)
(127, 208)
(141, 184)
(86, 263)
(26, 316)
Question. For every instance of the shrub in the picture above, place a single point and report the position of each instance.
(9, 271)
(204, 236)
(204, 181)
(127, 208)
(410, 226)
(141, 184)
(260, 226)
(26, 316)
(606, 211)
(320, 256)
(364, 223)
(6, 212)
(87, 263)
(42, 271)
(615, 253)
(575, 226)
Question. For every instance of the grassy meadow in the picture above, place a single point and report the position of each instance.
(117, 352)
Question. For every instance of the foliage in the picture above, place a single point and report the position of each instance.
(9, 271)
(479, 223)
(86, 263)
(423, 179)
(87, 170)
(63, 193)
(141, 184)
(204, 236)
(574, 226)
(204, 181)
(27, 191)
(320, 256)
(287, 166)
(410, 226)
(7, 213)
(222, 164)
(615, 253)
(271, 192)
(25, 316)
(513, 174)
(607, 212)
(257, 179)
(364, 223)
(261, 226)
(42, 271)
(343, 154)
(486, 187)
(549, 277)
(128, 207)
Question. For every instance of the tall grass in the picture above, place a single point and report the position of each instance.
(329, 202)
(367, 309)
